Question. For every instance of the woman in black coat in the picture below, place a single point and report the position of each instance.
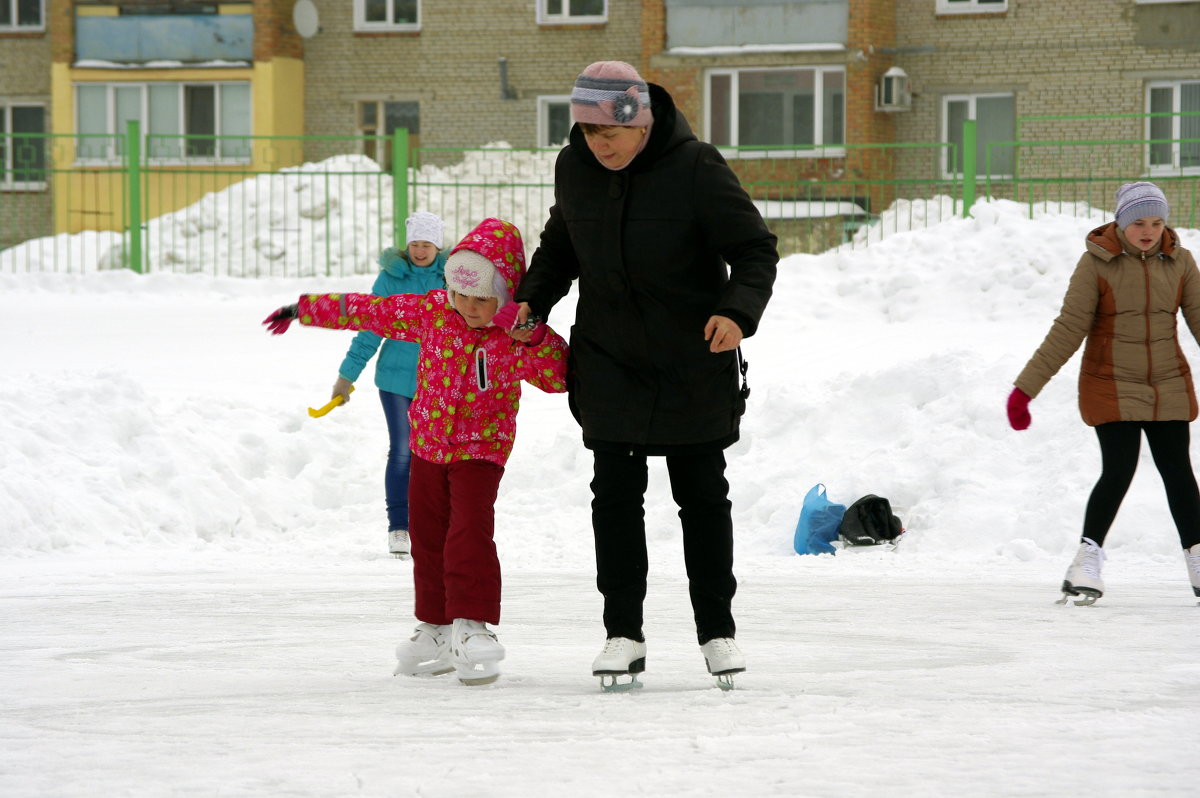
(646, 217)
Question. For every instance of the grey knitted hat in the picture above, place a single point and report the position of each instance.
(1140, 200)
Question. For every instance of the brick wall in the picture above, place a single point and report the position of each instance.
(274, 35)
(1063, 57)
(451, 67)
(25, 66)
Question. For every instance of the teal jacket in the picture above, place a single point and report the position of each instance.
(396, 369)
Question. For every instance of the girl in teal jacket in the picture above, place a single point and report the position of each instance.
(417, 270)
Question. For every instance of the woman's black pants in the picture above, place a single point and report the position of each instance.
(699, 488)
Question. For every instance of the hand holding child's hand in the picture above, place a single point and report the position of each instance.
(278, 322)
(1018, 409)
(514, 317)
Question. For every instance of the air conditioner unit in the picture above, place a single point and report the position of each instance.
(891, 93)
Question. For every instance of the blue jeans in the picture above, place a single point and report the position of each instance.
(395, 476)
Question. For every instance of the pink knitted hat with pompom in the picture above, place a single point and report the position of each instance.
(611, 93)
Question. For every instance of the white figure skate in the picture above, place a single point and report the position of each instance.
(426, 653)
(1083, 577)
(621, 657)
(1192, 558)
(398, 545)
(475, 652)
(724, 659)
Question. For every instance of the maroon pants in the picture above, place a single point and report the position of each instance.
(456, 573)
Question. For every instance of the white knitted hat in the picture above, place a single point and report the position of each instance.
(425, 226)
(471, 274)
(1140, 200)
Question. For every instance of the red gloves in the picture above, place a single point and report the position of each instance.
(506, 316)
(506, 319)
(1018, 409)
(278, 322)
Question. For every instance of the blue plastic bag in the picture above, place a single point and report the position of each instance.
(818, 524)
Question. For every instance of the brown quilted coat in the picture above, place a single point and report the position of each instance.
(1124, 305)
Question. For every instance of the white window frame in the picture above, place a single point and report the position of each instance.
(111, 155)
(972, 6)
(363, 26)
(817, 150)
(544, 17)
(8, 183)
(378, 132)
(1174, 168)
(14, 27)
(972, 99)
(543, 117)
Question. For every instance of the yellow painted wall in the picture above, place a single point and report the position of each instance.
(93, 198)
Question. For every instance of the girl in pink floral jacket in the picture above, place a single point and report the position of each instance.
(463, 420)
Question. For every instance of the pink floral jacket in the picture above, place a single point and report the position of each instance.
(468, 380)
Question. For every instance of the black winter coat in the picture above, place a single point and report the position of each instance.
(649, 245)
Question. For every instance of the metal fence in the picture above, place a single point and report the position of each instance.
(255, 206)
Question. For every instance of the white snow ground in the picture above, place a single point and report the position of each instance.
(193, 600)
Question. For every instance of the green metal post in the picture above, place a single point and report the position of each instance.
(399, 185)
(133, 158)
(968, 155)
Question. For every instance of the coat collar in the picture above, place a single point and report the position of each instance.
(1108, 242)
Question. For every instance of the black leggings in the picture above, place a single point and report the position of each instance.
(1120, 442)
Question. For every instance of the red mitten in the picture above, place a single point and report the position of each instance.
(278, 322)
(1018, 409)
(539, 332)
(506, 316)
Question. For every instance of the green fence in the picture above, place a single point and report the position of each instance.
(256, 206)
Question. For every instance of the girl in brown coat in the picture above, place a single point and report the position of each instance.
(1123, 299)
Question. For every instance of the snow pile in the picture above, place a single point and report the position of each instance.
(153, 411)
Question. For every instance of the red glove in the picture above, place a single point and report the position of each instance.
(539, 332)
(506, 319)
(506, 316)
(278, 322)
(1018, 409)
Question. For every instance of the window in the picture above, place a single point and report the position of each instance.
(554, 120)
(995, 121)
(379, 119)
(971, 6)
(183, 121)
(777, 108)
(387, 15)
(22, 15)
(22, 157)
(1175, 138)
(565, 12)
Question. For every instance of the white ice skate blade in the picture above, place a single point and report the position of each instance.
(437, 667)
(725, 680)
(1084, 601)
(609, 682)
(478, 673)
(401, 555)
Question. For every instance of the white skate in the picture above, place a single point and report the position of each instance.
(398, 545)
(724, 659)
(426, 653)
(1192, 557)
(621, 657)
(475, 652)
(1083, 577)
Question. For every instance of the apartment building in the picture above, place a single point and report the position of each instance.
(797, 92)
